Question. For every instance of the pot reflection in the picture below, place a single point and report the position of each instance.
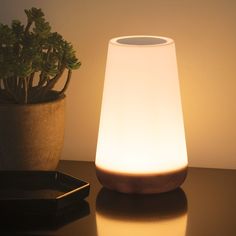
(122, 214)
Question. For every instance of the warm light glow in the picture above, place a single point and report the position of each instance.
(139, 215)
(141, 126)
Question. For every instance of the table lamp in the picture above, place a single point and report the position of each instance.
(141, 142)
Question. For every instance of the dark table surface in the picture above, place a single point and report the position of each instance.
(205, 205)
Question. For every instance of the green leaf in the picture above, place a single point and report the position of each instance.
(34, 14)
(34, 48)
(50, 69)
(23, 69)
(42, 28)
(7, 36)
(17, 28)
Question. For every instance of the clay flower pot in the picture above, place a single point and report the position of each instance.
(32, 135)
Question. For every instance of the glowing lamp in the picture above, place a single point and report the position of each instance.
(141, 143)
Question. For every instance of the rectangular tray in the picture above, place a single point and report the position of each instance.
(39, 192)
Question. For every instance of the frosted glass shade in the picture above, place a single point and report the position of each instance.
(141, 143)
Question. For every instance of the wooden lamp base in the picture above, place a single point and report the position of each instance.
(141, 183)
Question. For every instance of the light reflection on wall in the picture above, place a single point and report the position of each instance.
(122, 214)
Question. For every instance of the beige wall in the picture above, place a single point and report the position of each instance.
(205, 36)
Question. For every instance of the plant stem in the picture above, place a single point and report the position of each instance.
(9, 92)
(51, 83)
(19, 87)
(26, 90)
(31, 80)
(27, 27)
(67, 82)
(42, 79)
(12, 82)
(48, 52)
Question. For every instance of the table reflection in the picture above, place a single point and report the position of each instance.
(123, 214)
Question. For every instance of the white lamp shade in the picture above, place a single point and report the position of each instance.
(141, 130)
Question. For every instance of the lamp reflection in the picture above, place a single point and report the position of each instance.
(122, 214)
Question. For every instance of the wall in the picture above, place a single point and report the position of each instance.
(205, 36)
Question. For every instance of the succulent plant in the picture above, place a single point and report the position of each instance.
(32, 60)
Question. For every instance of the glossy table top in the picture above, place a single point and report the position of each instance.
(204, 206)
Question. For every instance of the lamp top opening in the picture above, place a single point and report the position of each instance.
(141, 40)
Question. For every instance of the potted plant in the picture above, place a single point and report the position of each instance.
(32, 60)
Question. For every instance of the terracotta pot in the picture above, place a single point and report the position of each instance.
(31, 136)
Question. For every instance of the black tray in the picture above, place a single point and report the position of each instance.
(19, 221)
(39, 192)
(40, 199)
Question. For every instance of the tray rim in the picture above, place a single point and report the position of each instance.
(85, 185)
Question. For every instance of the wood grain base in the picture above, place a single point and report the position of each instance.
(141, 183)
